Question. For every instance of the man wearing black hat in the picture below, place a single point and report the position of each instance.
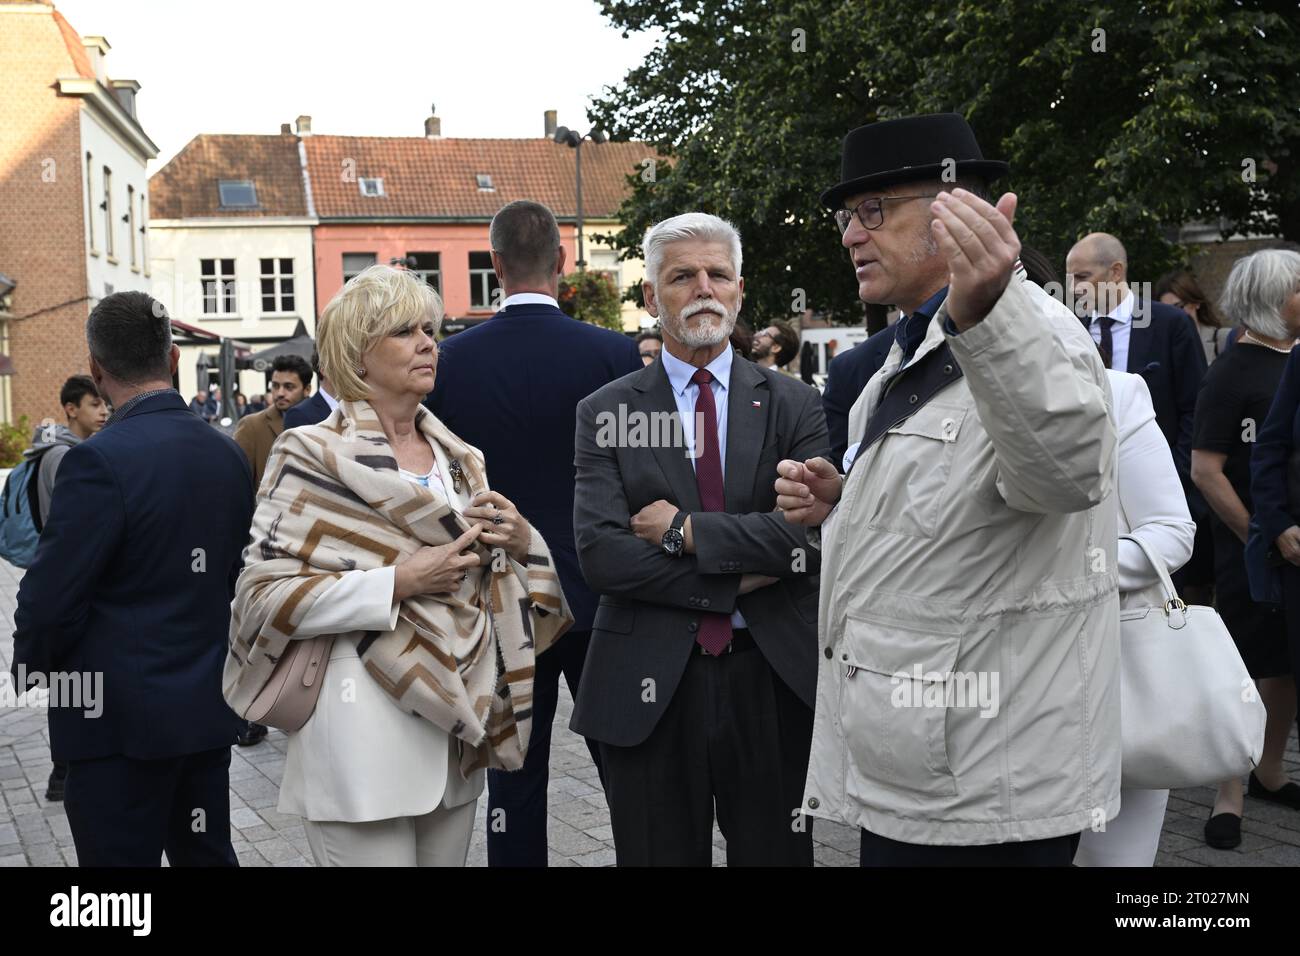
(967, 708)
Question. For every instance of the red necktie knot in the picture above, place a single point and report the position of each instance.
(702, 376)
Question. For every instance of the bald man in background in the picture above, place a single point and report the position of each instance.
(1141, 336)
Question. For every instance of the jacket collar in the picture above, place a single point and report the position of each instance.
(146, 402)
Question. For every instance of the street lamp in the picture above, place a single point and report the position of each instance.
(571, 137)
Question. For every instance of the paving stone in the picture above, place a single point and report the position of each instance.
(277, 850)
(16, 859)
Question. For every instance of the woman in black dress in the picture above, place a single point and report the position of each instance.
(1231, 409)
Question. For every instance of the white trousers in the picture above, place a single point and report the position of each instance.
(1132, 838)
(439, 838)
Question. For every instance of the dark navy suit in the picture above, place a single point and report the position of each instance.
(133, 580)
(310, 411)
(1167, 352)
(846, 377)
(510, 387)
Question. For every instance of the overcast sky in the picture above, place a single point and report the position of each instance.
(492, 67)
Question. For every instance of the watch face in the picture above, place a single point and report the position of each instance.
(673, 541)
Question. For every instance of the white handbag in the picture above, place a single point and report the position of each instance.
(1190, 714)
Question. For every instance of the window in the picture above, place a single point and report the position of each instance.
(130, 222)
(90, 201)
(372, 185)
(427, 267)
(605, 262)
(107, 206)
(144, 232)
(482, 280)
(277, 285)
(218, 277)
(484, 181)
(355, 263)
(237, 193)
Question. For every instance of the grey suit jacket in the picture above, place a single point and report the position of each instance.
(650, 604)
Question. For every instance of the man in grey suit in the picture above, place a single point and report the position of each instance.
(701, 672)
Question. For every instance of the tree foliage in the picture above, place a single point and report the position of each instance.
(591, 297)
(1127, 116)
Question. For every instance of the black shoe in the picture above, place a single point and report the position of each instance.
(1288, 794)
(255, 734)
(54, 789)
(1223, 831)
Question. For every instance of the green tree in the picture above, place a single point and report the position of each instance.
(591, 297)
(1127, 116)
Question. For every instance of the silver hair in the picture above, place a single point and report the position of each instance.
(700, 226)
(1258, 287)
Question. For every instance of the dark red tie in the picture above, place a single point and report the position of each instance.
(715, 629)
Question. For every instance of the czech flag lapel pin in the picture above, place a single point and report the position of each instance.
(757, 404)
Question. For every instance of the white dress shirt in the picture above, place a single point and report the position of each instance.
(1119, 332)
(330, 400)
(685, 392)
(528, 298)
(360, 757)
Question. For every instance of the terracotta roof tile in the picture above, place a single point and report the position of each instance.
(187, 186)
(435, 178)
(76, 50)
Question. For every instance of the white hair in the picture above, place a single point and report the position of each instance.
(700, 226)
(1258, 287)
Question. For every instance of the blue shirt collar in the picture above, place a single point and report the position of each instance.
(679, 373)
(911, 329)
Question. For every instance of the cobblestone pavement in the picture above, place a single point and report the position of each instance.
(34, 832)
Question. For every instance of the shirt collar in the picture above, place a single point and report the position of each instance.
(1122, 313)
(529, 298)
(679, 373)
(330, 400)
(125, 408)
(910, 330)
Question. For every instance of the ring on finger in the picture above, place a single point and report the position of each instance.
(498, 519)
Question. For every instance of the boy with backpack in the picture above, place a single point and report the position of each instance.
(30, 489)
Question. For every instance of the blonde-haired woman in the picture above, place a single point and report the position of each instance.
(377, 526)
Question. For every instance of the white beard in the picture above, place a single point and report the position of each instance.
(704, 334)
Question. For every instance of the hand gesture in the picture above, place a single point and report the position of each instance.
(806, 491)
(981, 248)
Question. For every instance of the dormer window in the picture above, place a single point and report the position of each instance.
(372, 185)
(485, 182)
(237, 193)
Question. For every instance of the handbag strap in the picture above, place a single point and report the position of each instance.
(1172, 600)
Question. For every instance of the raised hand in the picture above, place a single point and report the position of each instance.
(981, 248)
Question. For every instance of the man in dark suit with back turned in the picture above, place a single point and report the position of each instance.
(130, 592)
(702, 669)
(509, 387)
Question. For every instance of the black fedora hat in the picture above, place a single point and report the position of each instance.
(903, 150)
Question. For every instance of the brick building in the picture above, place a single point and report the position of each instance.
(232, 247)
(380, 198)
(73, 195)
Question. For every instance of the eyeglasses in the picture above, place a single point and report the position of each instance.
(870, 212)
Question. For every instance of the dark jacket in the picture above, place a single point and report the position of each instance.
(310, 411)
(510, 387)
(847, 376)
(650, 604)
(1274, 484)
(133, 581)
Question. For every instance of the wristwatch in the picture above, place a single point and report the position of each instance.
(674, 541)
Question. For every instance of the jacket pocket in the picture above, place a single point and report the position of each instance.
(611, 617)
(915, 463)
(893, 708)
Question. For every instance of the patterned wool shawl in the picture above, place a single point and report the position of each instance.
(332, 501)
